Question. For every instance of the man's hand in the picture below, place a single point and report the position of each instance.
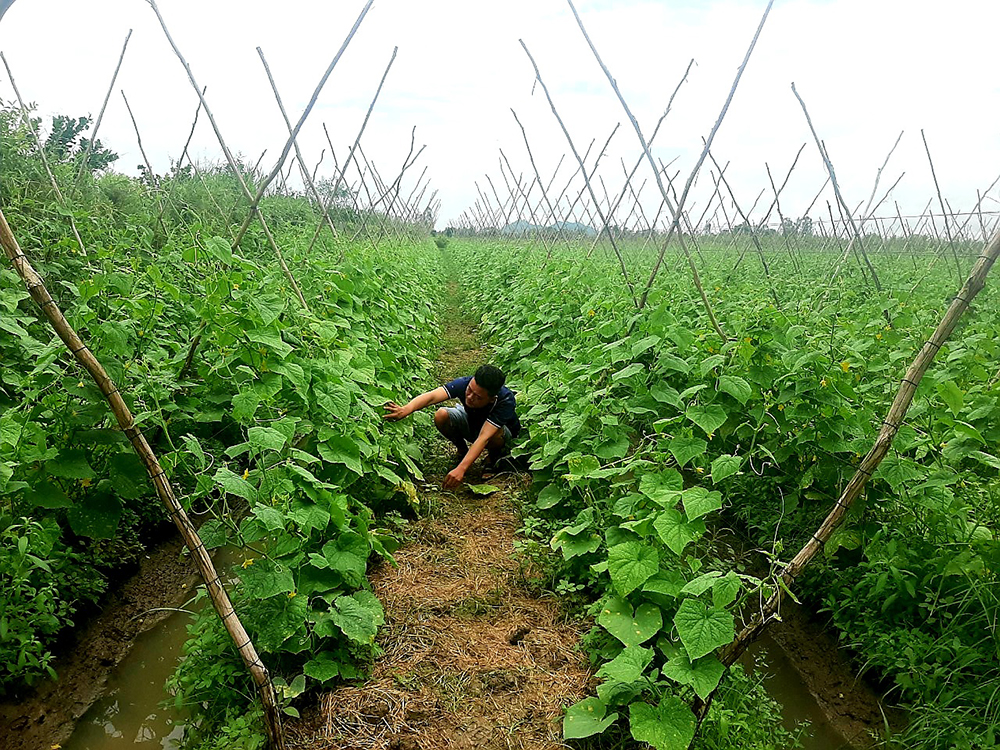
(454, 478)
(394, 412)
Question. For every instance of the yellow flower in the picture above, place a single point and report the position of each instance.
(592, 313)
(781, 407)
(845, 366)
(247, 563)
(878, 336)
(291, 594)
(85, 482)
(711, 435)
(246, 473)
(823, 382)
(699, 470)
(748, 340)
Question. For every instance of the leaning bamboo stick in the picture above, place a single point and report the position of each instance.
(233, 165)
(41, 153)
(302, 119)
(213, 583)
(100, 116)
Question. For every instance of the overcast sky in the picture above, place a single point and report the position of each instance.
(866, 69)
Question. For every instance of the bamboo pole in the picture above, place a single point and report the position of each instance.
(154, 182)
(213, 583)
(302, 119)
(292, 135)
(694, 172)
(100, 116)
(947, 224)
(233, 165)
(41, 153)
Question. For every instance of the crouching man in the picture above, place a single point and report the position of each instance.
(484, 418)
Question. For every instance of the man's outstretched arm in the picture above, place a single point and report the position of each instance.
(396, 412)
(457, 475)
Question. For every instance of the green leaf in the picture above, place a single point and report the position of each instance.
(702, 628)
(235, 485)
(683, 449)
(675, 531)
(631, 564)
(70, 464)
(631, 628)
(338, 449)
(702, 583)
(245, 406)
(724, 467)
(698, 501)
(667, 583)
(586, 718)
(952, 395)
(97, 516)
(323, 667)
(482, 489)
(662, 487)
(265, 578)
(358, 617)
(348, 555)
(633, 369)
(128, 475)
(736, 387)
(614, 447)
(550, 496)
(709, 418)
(213, 534)
(666, 395)
(266, 438)
(272, 518)
(309, 516)
(669, 726)
(628, 666)
(899, 471)
(726, 589)
(703, 674)
(47, 495)
(986, 458)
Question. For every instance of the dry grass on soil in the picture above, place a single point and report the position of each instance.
(471, 659)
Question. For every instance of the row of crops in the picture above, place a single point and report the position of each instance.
(654, 441)
(265, 415)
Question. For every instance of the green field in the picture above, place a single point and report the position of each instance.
(652, 437)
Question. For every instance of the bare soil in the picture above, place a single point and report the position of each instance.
(46, 716)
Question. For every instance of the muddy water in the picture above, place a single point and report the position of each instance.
(129, 715)
(787, 687)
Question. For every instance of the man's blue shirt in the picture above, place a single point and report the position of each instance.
(499, 413)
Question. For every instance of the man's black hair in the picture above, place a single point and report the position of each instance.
(491, 378)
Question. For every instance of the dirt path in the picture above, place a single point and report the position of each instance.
(472, 660)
